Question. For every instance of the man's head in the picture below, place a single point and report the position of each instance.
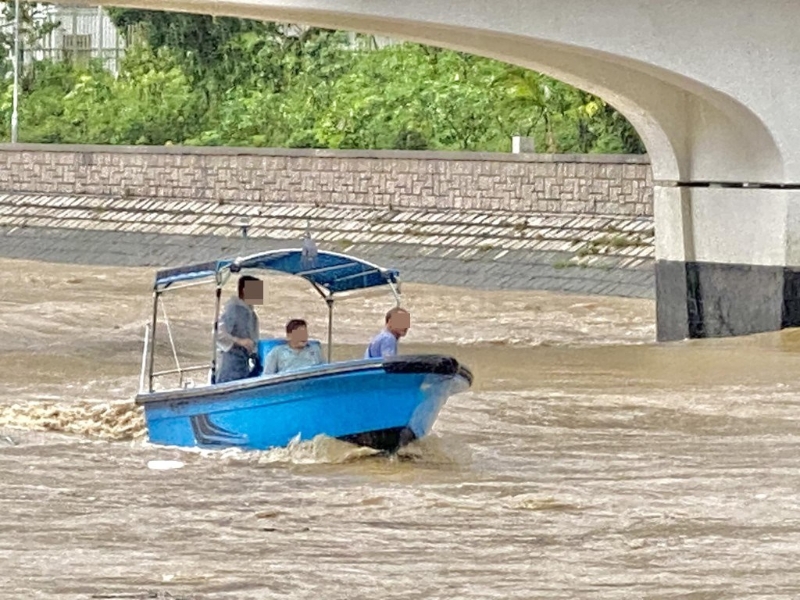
(398, 321)
(251, 290)
(297, 334)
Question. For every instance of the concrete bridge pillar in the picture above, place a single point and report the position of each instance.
(728, 261)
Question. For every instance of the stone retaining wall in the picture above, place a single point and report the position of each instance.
(583, 184)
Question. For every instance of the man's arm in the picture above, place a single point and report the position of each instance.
(224, 339)
(318, 354)
(227, 324)
(271, 362)
(388, 347)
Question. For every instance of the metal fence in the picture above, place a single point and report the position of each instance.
(88, 33)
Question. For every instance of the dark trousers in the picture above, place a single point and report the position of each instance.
(234, 364)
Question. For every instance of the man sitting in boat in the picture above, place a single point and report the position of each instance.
(296, 354)
(238, 333)
(398, 322)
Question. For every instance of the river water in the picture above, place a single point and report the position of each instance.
(585, 462)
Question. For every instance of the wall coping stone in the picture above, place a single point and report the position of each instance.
(634, 159)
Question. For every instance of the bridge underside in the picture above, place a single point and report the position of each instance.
(710, 87)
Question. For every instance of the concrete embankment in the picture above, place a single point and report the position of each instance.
(449, 232)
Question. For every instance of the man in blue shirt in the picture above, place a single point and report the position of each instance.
(398, 322)
(296, 354)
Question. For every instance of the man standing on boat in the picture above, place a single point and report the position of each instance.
(238, 334)
(398, 322)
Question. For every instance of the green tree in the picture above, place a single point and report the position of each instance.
(197, 41)
(193, 79)
(36, 24)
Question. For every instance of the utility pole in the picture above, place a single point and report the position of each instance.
(15, 109)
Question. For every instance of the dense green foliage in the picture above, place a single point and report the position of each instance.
(196, 80)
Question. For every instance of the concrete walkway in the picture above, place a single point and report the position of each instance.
(565, 253)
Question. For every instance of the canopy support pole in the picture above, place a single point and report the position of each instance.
(396, 293)
(152, 348)
(144, 357)
(214, 333)
(329, 302)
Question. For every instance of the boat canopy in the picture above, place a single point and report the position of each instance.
(329, 270)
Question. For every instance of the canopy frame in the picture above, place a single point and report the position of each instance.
(218, 272)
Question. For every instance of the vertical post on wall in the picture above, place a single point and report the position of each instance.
(15, 102)
(244, 225)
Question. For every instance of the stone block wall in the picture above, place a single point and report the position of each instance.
(574, 184)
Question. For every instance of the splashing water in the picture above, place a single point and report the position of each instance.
(101, 420)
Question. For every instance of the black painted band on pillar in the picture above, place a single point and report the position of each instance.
(727, 259)
(702, 300)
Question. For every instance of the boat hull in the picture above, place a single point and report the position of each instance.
(381, 404)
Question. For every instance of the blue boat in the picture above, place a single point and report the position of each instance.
(381, 403)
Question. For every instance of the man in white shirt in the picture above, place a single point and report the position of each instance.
(296, 354)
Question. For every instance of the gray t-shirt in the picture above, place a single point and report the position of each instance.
(237, 320)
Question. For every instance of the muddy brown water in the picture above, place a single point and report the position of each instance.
(586, 462)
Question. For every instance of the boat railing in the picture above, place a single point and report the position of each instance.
(180, 371)
(171, 339)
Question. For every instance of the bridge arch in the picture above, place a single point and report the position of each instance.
(692, 131)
